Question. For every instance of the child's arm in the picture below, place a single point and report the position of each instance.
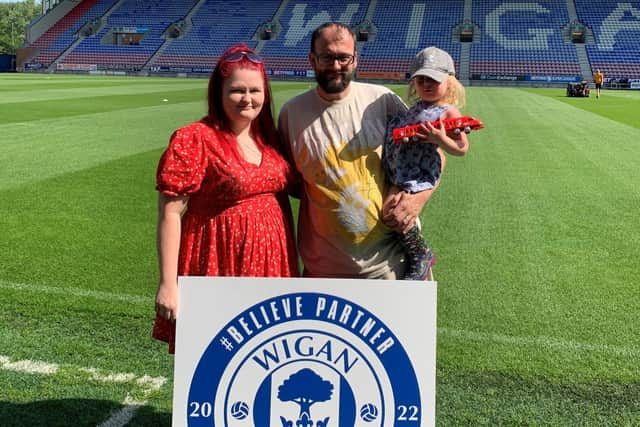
(456, 147)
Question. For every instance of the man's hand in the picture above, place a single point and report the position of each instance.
(401, 209)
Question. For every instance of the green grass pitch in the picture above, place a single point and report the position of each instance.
(536, 230)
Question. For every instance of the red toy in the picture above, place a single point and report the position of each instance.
(453, 127)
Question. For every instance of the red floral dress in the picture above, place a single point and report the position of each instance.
(238, 219)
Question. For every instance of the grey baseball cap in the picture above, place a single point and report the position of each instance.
(434, 63)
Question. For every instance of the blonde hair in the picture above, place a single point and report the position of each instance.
(455, 94)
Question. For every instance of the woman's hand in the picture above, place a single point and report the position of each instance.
(167, 300)
(168, 242)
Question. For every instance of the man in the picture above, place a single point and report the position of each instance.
(598, 78)
(335, 132)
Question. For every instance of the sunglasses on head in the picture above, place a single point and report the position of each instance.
(237, 56)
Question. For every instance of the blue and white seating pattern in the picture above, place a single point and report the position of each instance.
(616, 29)
(522, 38)
(515, 38)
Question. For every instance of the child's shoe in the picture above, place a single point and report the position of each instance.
(420, 258)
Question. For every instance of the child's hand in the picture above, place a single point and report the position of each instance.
(437, 135)
(430, 134)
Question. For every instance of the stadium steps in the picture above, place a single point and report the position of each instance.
(103, 21)
(583, 58)
(465, 63)
(276, 20)
(465, 48)
(194, 10)
(54, 64)
(64, 24)
(571, 10)
(49, 54)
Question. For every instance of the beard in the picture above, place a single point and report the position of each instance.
(333, 84)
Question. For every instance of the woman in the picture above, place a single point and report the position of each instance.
(223, 208)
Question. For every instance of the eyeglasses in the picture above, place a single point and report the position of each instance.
(327, 59)
(237, 56)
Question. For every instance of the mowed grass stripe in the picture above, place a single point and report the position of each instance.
(37, 150)
(618, 105)
(490, 397)
(36, 82)
(549, 343)
(536, 262)
(107, 335)
(284, 91)
(77, 293)
(76, 106)
(93, 228)
(62, 93)
(529, 243)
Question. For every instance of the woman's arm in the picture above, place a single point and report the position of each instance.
(170, 210)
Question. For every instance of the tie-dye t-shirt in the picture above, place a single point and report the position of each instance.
(337, 147)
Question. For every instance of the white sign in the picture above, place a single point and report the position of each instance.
(266, 352)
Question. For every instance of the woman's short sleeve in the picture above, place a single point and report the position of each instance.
(183, 164)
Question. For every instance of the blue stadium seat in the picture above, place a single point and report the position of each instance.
(514, 38)
(54, 41)
(216, 26)
(616, 29)
(291, 47)
(403, 31)
(154, 16)
(519, 38)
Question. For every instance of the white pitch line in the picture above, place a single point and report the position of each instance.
(540, 341)
(77, 292)
(122, 417)
(117, 419)
(109, 377)
(28, 366)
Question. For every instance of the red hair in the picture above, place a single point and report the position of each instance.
(263, 127)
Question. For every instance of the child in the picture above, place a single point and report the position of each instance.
(416, 166)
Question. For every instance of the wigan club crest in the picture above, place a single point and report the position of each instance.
(304, 359)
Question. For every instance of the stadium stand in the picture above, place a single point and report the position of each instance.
(510, 40)
(147, 18)
(520, 39)
(289, 50)
(403, 31)
(203, 44)
(616, 27)
(59, 37)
